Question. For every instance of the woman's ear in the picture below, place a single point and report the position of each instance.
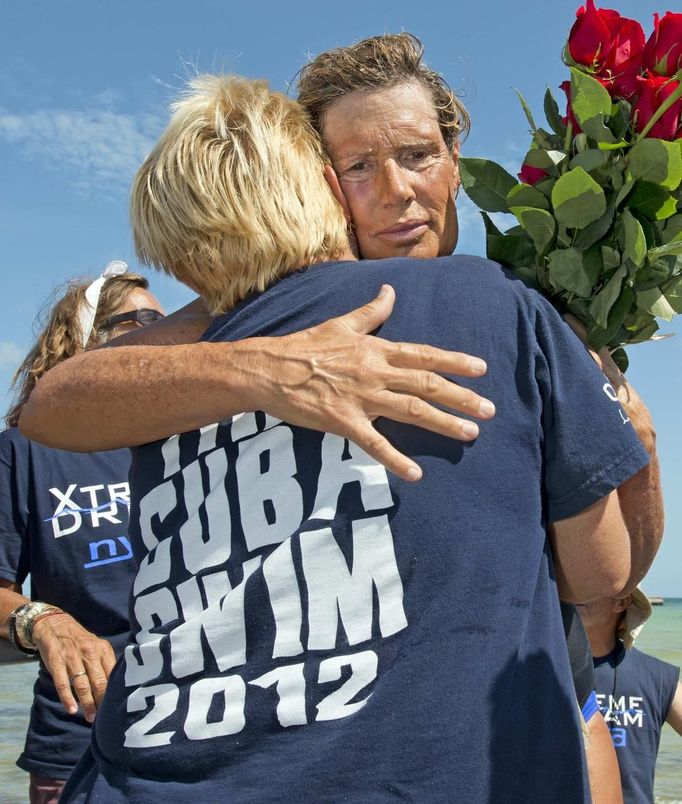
(455, 161)
(333, 182)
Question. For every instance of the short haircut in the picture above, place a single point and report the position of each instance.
(377, 63)
(233, 196)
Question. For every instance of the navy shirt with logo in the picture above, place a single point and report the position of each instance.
(309, 628)
(64, 520)
(635, 692)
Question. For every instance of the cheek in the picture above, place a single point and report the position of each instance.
(362, 203)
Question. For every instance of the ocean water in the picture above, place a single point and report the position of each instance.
(662, 637)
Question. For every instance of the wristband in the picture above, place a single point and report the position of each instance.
(24, 620)
(14, 639)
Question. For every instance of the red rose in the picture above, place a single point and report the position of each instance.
(652, 92)
(624, 63)
(624, 84)
(570, 117)
(532, 175)
(663, 51)
(610, 46)
(589, 41)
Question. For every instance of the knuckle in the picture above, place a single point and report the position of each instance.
(415, 408)
(429, 382)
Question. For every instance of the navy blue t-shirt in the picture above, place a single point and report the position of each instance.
(635, 692)
(64, 520)
(308, 628)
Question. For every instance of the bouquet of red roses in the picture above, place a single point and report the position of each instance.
(599, 198)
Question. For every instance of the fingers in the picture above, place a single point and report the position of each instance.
(78, 661)
(376, 446)
(367, 318)
(417, 412)
(62, 682)
(430, 358)
(409, 410)
(82, 686)
(435, 389)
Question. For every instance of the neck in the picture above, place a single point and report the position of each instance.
(602, 640)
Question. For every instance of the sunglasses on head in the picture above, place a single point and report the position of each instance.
(143, 317)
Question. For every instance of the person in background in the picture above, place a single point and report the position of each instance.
(637, 693)
(64, 520)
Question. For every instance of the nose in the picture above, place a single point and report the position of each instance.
(395, 185)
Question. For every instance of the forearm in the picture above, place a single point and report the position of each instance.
(640, 497)
(132, 395)
(10, 599)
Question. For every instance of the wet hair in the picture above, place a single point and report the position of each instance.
(378, 63)
(60, 335)
(233, 195)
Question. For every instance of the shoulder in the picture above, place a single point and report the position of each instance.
(653, 664)
(12, 443)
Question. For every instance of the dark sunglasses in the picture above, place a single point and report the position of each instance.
(144, 316)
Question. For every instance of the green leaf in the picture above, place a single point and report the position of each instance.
(591, 105)
(573, 270)
(633, 239)
(620, 358)
(527, 112)
(540, 226)
(512, 251)
(656, 303)
(621, 115)
(588, 97)
(624, 192)
(598, 336)
(577, 199)
(655, 274)
(539, 158)
(673, 293)
(525, 195)
(656, 161)
(601, 304)
(673, 227)
(610, 257)
(652, 201)
(486, 183)
(589, 160)
(593, 233)
(553, 115)
(674, 247)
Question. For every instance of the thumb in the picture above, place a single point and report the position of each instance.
(367, 318)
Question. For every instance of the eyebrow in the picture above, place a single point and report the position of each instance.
(427, 144)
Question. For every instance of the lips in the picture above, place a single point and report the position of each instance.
(405, 230)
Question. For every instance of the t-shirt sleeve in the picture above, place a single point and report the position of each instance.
(13, 510)
(589, 447)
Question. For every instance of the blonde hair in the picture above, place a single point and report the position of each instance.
(233, 196)
(377, 63)
(60, 334)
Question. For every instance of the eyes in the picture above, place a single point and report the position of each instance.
(411, 159)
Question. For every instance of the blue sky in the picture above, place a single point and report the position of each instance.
(84, 92)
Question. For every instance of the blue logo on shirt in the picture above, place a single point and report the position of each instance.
(111, 551)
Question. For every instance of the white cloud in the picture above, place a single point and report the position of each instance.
(11, 354)
(96, 149)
